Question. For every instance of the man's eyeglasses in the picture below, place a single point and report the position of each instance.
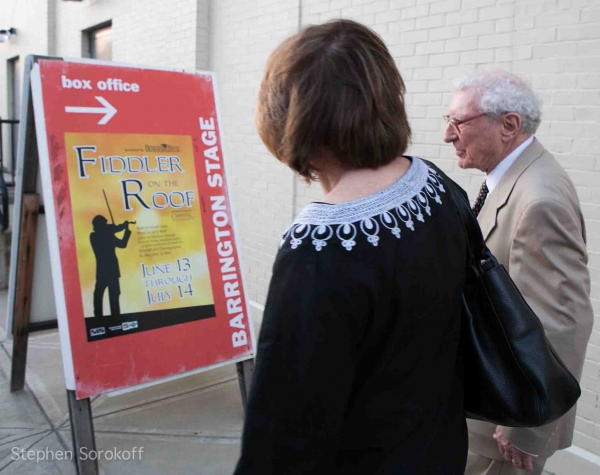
(455, 123)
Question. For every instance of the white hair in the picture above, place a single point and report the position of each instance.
(500, 92)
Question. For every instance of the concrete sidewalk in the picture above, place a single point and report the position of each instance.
(192, 425)
(189, 426)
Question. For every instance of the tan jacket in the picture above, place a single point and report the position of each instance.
(533, 224)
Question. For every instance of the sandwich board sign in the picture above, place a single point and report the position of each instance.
(145, 266)
(144, 260)
(145, 269)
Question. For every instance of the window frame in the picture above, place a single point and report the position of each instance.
(87, 39)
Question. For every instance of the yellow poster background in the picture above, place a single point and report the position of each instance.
(169, 242)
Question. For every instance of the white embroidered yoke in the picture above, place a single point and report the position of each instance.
(392, 208)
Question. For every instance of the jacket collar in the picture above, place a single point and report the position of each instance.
(497, 199)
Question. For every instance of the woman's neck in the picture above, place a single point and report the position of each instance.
(341, 185)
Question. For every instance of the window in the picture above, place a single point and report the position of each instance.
(99, 42)
(10, 132)
(14, 87)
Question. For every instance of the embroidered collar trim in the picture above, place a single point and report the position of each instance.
(408, 197)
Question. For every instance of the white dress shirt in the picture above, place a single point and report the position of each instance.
(494, 177)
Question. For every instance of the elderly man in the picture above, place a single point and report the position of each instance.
(531, 219)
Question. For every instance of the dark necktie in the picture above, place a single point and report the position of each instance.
(483, 192)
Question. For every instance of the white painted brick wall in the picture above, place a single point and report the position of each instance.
(30, 20)
(243, 34)
(555, 44)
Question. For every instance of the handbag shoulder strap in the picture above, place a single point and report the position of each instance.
(477, 248)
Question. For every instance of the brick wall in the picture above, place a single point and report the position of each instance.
(31, 22)
(243, 34)
(152, 32)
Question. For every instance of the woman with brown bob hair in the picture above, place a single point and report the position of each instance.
(357, 370)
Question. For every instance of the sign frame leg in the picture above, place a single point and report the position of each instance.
(29, 216)
(82, 431)
(244, 373)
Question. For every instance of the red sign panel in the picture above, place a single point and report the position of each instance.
(145, 263)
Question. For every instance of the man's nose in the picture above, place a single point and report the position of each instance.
(450, 134)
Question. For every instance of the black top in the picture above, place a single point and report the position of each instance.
(357, 368)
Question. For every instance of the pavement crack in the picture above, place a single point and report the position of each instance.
(16, 438)
(11, 460)
(212, 439)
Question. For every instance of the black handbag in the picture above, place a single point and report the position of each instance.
(512, 375)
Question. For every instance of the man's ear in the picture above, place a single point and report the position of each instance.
(511, 126)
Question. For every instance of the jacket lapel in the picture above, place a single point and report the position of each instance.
(497, 199)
